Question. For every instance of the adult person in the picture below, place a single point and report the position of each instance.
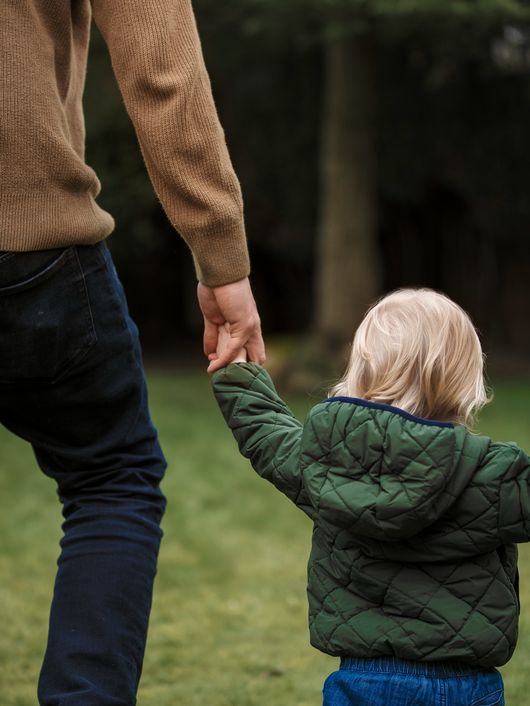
(71, 374)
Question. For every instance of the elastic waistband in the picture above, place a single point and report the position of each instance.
(404, 666)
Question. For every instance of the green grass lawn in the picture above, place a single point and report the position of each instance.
(228, 626)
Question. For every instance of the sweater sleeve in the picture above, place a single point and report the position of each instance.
(157, 59)
(264, 427)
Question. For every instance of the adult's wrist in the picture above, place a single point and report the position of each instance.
(220, 267)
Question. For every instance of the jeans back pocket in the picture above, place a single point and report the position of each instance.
(45, 318)
(494, 698)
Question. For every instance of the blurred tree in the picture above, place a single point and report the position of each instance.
(348, 270)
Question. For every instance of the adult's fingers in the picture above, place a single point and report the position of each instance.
(256, 349)
(211, 337)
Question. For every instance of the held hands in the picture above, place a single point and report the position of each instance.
(231, 306)
(224, 344)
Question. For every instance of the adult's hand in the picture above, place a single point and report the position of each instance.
(231, 304)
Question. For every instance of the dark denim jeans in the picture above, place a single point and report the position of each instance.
(72, 385)
(395, 682)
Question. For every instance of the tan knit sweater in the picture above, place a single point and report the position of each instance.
(48, 192)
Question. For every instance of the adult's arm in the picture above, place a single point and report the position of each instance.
(157, 59)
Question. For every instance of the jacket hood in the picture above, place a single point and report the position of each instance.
(381, 472)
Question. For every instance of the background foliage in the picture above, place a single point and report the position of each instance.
(453, 108)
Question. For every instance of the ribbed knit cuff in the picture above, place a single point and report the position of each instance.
(219, 261)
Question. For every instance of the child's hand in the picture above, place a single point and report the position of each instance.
(224, 342)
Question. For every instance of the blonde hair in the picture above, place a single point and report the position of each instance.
(417, 350)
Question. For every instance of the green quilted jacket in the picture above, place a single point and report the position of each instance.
(415, 522)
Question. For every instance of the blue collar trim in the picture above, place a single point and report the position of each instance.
(390, 408)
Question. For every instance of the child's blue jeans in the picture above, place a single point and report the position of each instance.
(395, 682)
(72, 385)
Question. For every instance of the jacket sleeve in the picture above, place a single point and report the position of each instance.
(514, 496)
(265, 429)
(157, 59)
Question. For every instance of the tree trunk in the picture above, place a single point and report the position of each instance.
(347, 268)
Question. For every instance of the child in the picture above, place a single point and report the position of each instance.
(412, 577)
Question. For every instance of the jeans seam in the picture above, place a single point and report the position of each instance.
(84, 287)
(443, 694)
(115, 299)
(82, 351)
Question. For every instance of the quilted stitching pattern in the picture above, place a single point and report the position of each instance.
(413, 548)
